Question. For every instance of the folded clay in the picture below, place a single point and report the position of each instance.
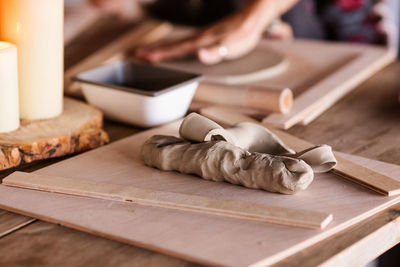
(197, 128)
(246, 135)
(222, 161)
(246, 154)
(320, 158)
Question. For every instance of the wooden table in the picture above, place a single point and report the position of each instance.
(365, 123)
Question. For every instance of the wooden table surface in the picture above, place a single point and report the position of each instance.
(366, 123)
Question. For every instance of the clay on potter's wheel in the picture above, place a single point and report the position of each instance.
(260, 64)
(221, 161)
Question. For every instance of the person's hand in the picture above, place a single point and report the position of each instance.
(123, 8)
(111, 6)
(227, 39)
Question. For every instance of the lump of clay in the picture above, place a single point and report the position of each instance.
(222, 161)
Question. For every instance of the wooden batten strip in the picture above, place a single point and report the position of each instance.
(230, 208)
(326, 93)
(345, 168)
(367, 177)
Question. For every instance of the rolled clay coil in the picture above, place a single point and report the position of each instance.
(221, 161)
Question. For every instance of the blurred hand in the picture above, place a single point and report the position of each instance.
(227, 39)
(111, 6)
(130, 9)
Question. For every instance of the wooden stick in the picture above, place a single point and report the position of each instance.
(266, 98)
(345, 168)
(144, 33)
(324, 94)
(230, 208)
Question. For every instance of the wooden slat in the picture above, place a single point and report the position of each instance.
(374, 60)
(366, 61)
(367, 178)
(355, 246)
(345, 168)
(236, 209)
(10, 222)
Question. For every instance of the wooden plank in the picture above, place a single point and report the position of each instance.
(319, 73)
(355, 246)
(235, 209)
(366, 177)
(347, 169)
(214, 240)
(46, 244)
(374, 60)
(78, 19)
(364, 62)
(10, 222)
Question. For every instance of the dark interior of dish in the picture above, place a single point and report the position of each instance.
(137, 77)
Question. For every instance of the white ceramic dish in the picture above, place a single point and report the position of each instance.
(139, 94)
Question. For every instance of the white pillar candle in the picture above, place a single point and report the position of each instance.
(36, 27)
(9, 112)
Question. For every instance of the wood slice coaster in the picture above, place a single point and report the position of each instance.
(77, 129)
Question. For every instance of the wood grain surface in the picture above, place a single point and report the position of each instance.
(376, 134)
(365, 122)
(77, 129)
(46, 244)
(336, 69)
(355, 246)
(166, 230)
(10, 222)
(206, 205)
(319, 73)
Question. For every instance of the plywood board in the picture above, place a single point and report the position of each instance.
(335, 70)
(197, 237)
(319, 74)
(125, 193)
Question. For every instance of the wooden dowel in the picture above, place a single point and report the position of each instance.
(230, 208)
(345, 168)
(266, 98)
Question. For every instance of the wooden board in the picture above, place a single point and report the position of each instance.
(10, 222)
(44, 244)
(124, 193)
(319, 74)
(197, 237)
(78, 19)
(77, 129)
